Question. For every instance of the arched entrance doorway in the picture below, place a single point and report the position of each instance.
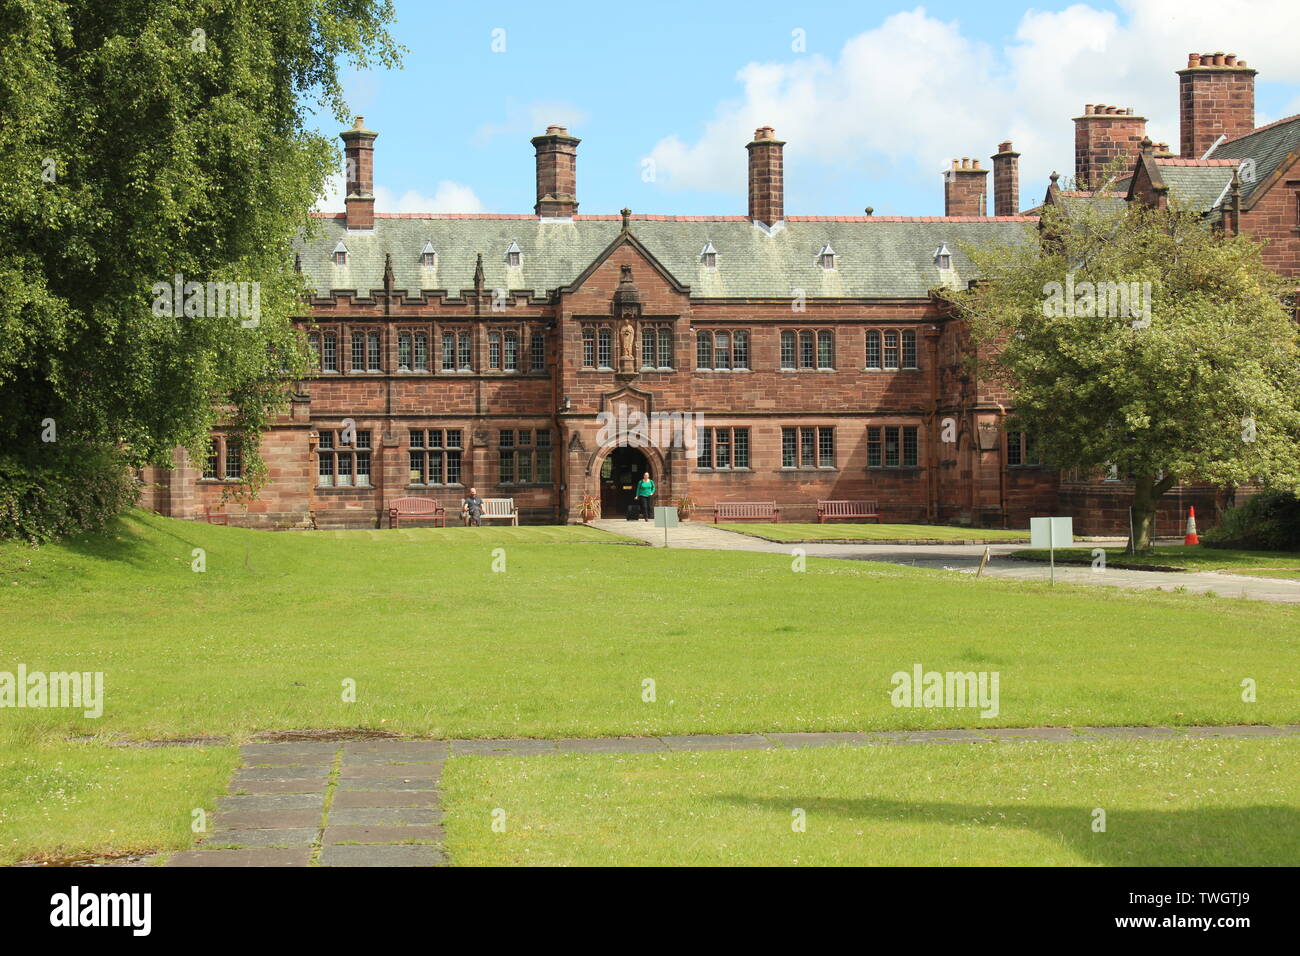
(619, 473)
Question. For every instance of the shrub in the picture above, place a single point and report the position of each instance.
(1269, 521)
(70, 489)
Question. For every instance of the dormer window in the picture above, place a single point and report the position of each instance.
(427, 255)
(514, 255)
(942, 257)
(826, 257)
(709, 256)
(340, 254)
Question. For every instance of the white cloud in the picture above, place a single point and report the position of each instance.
(449, 196)
(916, 91)
(531, 119)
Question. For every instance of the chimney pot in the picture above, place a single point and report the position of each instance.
(359, 188)
(557, 174)
(1214, 102)
(1098, 145)
(965, 195)
(766, 177)
(1006, 180)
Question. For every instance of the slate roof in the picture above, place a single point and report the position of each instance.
(1105, 201)
(1268, 146)
(876, 257)
(1198, 187)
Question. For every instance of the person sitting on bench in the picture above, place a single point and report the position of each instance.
(472, 509)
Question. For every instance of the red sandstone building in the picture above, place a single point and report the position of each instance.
(459, 350)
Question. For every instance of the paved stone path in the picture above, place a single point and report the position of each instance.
(376, 803)
(966, 557)
(357, 803)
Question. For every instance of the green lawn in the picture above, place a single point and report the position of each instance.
(60, 799)
(560, 643)
(1167, 803)
(1193, 558)
(872, 532)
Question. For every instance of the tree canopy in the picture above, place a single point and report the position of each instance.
(1142, 340)
(145, 140)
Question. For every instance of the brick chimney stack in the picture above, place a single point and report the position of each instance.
(1216, 97)
(1102, 134)
(557, 174)
(359, 157)
(965, 188)
(1006, 180)
(766, 177)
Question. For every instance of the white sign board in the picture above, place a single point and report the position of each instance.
(666, 517)
(1051, 532)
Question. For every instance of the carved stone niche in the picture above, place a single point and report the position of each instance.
(627, 312)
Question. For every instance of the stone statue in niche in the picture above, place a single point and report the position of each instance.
(627, 343)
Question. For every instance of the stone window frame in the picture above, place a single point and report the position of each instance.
(807, 341)
(600, 333)
(535, 452)
(878, 456)
(218, 461)
(664, 331)
(372, 343)
(906, 340)
(798, 440)
(734, 334)
(329, 448)
(413, 333)
(323, 340)
(459, 332)
(1023, 447)
(445, 453)
(536, 350)
(708, 445)
(499, 339)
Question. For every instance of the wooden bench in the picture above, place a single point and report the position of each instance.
(400, 508)
(847, 509)
(500, 509)
(746, 511)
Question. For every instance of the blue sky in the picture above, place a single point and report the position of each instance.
(873, 104)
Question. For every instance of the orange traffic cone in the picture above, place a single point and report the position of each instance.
(1191, 537)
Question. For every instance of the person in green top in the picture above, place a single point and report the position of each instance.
(645, 492)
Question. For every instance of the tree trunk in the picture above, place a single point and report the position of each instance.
(1147, 492)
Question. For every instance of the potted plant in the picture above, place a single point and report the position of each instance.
(684, 506)
(589, 508)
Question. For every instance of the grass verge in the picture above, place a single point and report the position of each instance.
(1166, 802)
(65, 799)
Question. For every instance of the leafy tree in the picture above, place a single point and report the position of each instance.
(145, 139)
(1197, 379)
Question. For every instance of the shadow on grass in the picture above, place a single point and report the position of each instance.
(1239, 836)
(128, 539)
